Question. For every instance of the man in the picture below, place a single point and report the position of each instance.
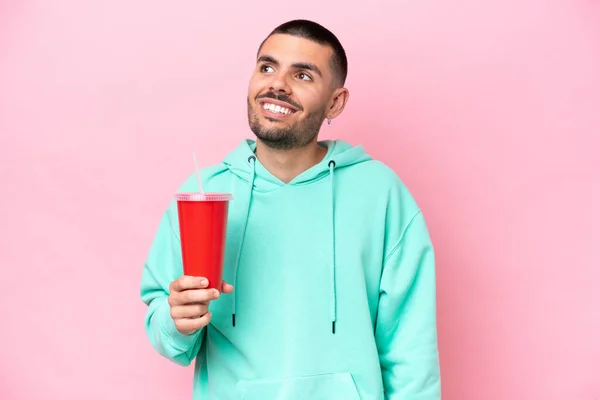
(329, 255)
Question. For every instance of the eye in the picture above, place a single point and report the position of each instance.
(265, 68)
(304, 76)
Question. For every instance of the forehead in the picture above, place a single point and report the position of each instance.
(288, 49)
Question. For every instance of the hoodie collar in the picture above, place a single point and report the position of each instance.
(342, 153)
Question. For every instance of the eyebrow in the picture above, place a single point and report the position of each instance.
(299, 65)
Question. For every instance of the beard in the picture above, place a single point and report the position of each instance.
(298, 135)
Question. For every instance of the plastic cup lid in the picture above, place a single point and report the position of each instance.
(197, 196)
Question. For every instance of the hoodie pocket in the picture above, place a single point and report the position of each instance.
(332, 386)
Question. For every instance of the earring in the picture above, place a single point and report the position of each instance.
(328, 121)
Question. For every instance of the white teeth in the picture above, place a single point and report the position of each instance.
(277, 109)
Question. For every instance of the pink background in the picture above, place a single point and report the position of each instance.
(487, 110)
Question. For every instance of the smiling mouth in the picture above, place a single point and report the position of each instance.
(276, 109)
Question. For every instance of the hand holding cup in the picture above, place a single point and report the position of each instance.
(189, 299)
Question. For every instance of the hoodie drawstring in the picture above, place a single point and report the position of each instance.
(333, 294)
(333, 288)
(252, 162)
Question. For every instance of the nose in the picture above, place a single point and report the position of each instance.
(280, 83)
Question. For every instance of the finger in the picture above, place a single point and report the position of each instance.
(192, 296)
(226, 287)
(186, 282)
(189, 311)
(190, 325)
(196, 296)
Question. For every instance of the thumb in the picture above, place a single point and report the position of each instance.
(226, 287)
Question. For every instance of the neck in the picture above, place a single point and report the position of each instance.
(285, 165)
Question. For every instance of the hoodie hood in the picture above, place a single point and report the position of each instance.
(341, 153)
(243, 163)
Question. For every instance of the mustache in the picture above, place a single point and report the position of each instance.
(280, 97)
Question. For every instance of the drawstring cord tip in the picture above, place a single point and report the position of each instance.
(233, 319)
(333, 327)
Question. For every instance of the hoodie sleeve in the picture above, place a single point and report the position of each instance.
(406, 332)
(163, 266)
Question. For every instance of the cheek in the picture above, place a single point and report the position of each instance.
(310, 99)
(253, 88)
(257, 84)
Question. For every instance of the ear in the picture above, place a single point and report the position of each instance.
(338, 102)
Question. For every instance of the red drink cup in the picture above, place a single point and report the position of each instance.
(203, 228)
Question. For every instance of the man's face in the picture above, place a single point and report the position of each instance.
(290, 92)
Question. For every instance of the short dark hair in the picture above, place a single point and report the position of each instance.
(317, 33)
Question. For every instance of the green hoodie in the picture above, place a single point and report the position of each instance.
(334, 278)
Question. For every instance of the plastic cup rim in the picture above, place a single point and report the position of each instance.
(206, 196)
